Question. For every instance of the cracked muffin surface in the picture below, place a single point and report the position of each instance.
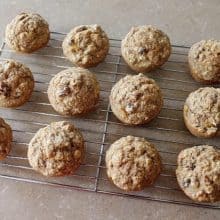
(204, 61)
(5, 139)
(86, 45)
(136, 99)
(132, 163)
(16, 83)
(74, 91)
(145, 48)
(57, 149)
(198, 173)
(27, 32)
(202, 112)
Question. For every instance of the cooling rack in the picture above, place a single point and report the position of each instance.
(101, 128)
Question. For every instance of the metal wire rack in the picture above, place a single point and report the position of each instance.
(101, 128)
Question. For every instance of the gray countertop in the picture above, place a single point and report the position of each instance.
(185, 22)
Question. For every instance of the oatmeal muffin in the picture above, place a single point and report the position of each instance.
(145, 48)
(198, 173)
(86, 45)
(132, 163)
(57, 149)
(73, 91)
(204, 61)
(5, 139)
(27, 32)
(202, 112)
(16, 83)
(136, 99)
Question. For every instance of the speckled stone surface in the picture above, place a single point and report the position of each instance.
(185, 22)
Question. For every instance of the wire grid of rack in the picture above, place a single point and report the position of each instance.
(101, 128)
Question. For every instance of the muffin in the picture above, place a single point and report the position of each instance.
(57, 149)
(74, 91)
(145, 48)
(136, 99)
(132, 163)
(27, 32)
(198, 173)
(5, 139)
(204, 61)
(16, 83)
(201, 112)
(86, 45)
